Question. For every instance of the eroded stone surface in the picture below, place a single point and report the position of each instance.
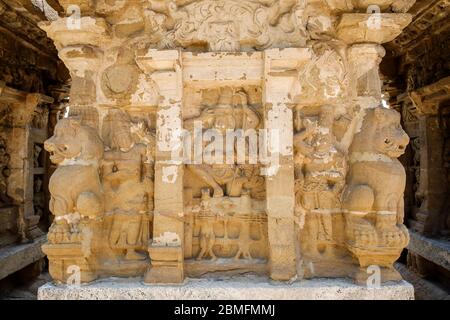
(134, 196)
(243, 288)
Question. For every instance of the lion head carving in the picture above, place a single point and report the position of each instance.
(73, 140)
(381, 133)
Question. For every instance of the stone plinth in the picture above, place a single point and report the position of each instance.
(17, 257)
(248, 288)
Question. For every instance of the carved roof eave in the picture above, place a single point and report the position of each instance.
(429, 99)
(429, 19)
(23, 25)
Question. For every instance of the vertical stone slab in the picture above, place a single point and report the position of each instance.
(280, 77)
(166, 250)
(432, 172)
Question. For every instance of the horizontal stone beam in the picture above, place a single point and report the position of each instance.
(16, 257)
(434, 250)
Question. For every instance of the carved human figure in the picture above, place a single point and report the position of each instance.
(75, 186)
(127, 186)
(304, 132)
(244, 230)
(324, 168)
(373, 199)
(320, 178)
(207, 236)
(223, 117)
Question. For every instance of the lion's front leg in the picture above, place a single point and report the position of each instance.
(60, 206)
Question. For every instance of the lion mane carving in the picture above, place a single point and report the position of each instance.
(75, 186)
(373, 200)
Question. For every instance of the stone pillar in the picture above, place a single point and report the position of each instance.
(21, 149)
(166, 250)
(433, 178)
(279, 83)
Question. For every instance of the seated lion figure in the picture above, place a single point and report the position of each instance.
(75, 185)
(373, 200)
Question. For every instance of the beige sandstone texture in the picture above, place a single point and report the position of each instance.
(241, 288)
(326, 200)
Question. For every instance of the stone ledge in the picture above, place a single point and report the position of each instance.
(423, 289)
(16, 257)
(242, 288)
(434, 250)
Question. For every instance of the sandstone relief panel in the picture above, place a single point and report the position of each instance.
(209, 138)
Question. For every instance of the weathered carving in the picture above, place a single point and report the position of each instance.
(373, 199)
(236, 137)
(77, 150)
(127, 184)
(224, 177)
(225, 25)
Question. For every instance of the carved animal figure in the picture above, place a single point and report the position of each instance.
(373, 200)
(75, 185)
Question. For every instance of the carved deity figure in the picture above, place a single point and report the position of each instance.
(373, 199)
(320, 170)
(325, 167)
(129, 189)
(75, 186)
(223, 117)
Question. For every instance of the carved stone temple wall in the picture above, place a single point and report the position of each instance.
(151, 78)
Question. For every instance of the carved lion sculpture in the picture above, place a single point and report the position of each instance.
(373, 200)
(75, 185)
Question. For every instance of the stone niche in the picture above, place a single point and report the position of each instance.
(132, 196)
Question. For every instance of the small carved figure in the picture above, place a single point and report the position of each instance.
(207, 236)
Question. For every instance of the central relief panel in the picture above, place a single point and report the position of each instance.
(224, 192)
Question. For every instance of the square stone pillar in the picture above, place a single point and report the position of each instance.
(166, 250)
(433, 176)
(281, 76)
(20, 141)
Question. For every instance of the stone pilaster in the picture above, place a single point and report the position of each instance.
(166, 249)
(280, 167)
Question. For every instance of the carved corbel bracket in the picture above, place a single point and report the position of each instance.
(74, 32)
(377, 27)
(24, 104)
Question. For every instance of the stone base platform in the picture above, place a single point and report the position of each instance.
(17, 256)
(236, 288)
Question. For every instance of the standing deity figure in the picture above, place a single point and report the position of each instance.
(128, 186)
(320, 174)
(325, 167)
